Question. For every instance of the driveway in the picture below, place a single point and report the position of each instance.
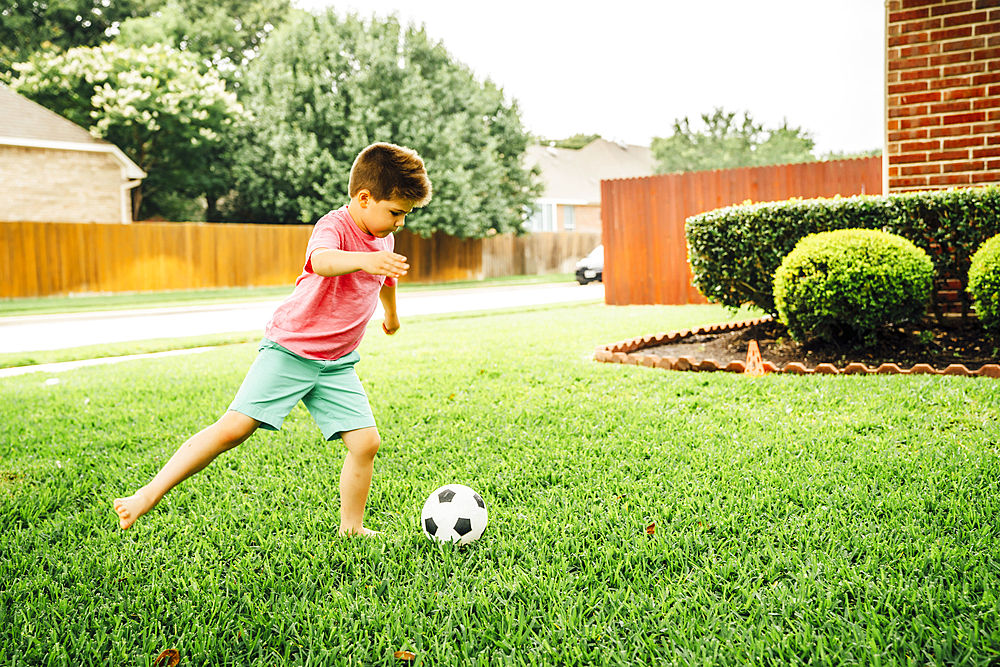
(51, 332)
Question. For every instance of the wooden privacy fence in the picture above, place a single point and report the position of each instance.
(537, 253)
(50, 258)
(645, 249)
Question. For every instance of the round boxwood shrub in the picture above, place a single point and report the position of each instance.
(984, 284)
(845, 285)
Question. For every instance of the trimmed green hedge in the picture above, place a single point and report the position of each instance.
(984, 284)
(847, 284)
(734, 251)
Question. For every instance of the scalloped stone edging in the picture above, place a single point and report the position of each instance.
(630, 352)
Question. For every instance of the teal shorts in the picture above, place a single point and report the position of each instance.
(330, 390)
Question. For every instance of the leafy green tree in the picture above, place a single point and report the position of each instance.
(27, 26)
(575, 142)
(226, 34)
(851, 155)
(728, 142)
(326, 87)
(153, 103)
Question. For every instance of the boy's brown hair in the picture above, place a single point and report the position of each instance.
(389, 171)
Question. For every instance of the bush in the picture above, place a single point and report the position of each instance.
(984, 284)
(851, 282)
(735, 251)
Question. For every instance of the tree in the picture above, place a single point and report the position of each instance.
(151, 102)
(27, 26)
(851, 155)
(726, 143)
(226, 34)
(575, 142)
(326, 87)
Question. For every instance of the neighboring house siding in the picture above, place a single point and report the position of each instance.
(572, 179)
(47, 185)
(552, 216)
(588, 219)
(943, 88)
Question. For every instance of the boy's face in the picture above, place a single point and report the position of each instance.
(381, 218)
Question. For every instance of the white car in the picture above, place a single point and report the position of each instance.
(591, 267)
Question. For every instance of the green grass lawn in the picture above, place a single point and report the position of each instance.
(798, 520)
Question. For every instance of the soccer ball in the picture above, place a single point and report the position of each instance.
(454, 513)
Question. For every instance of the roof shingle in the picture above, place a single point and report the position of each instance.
(20, 118)
(577, 174)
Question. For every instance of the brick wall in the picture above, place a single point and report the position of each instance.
(587, 218)
(45, 185)
(943, 86)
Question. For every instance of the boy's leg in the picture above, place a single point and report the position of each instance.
(356, 478)
(201, 449)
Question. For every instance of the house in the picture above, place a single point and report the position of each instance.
(942, 97)
(571, 201)
(52, 170)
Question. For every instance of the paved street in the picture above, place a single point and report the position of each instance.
(52, 332)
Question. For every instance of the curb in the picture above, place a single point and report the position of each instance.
(630, 352)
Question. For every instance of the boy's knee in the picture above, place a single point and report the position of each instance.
(364, 443)
(234, 428)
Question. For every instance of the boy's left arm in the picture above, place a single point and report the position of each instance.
(387, 295)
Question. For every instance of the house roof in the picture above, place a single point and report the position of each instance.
(575, 175)
(24, 119)
(29, 124)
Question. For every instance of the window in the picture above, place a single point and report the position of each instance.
(543, 219)
(548, 218)
(569, 218)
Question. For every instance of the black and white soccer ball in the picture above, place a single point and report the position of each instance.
(454, 513)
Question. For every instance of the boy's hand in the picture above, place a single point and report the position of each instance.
(385, 263)
(390, 324)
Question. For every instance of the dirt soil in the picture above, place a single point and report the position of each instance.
(927, 342)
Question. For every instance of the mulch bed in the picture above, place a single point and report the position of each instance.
(930, 346)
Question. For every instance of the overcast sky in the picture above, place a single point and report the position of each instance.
(625, 69)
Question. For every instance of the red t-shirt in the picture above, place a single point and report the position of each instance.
(326, 317)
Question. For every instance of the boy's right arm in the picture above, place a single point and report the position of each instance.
(331, 262)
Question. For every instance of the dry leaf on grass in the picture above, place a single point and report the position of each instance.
(168, 658)
(404, 655)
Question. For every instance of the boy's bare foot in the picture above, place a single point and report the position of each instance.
(364, 532)
(131, 508)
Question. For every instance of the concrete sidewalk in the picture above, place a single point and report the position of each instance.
(52, 332)
(63, 366)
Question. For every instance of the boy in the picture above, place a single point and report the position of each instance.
(309, 346)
